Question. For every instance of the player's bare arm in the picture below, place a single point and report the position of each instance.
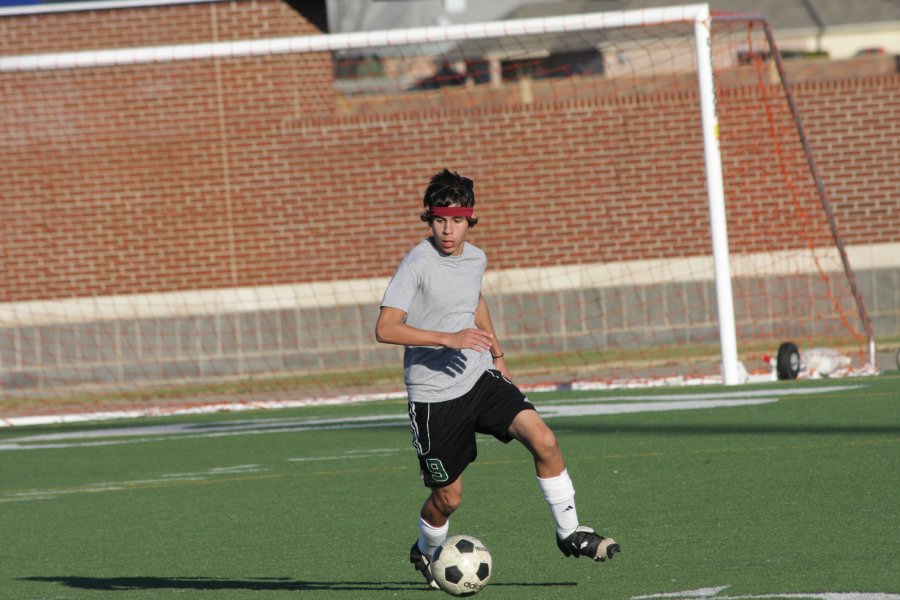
(392, 329)
(483, 321)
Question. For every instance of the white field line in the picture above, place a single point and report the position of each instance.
(116, 486)
(559, 408)
(583, 410)
(353, 455)
(713, 594)
(192, 409)
(200, 476)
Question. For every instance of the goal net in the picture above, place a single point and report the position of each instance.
(195, 222)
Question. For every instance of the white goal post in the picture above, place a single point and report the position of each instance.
(716, 190)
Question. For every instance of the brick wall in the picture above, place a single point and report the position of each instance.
(146, 196)
(149, 26)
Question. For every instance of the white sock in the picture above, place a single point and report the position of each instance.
(431, 537)
(560, 496)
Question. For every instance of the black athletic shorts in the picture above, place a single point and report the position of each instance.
(444, 432)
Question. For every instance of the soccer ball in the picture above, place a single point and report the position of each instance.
(461, 566)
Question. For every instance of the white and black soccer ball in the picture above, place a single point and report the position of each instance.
(462, 565)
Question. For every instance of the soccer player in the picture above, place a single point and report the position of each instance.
(457, 379)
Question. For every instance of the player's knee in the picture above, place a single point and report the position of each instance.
(446, 500)
(544, 444)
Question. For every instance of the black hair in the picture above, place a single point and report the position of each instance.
(447, 188)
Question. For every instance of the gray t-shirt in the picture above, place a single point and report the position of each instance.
(439, 293)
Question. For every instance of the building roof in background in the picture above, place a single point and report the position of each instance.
(781, 14)
(370, 15)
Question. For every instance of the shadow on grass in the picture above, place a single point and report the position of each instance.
(121, 584)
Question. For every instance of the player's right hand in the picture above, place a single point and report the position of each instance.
(472, 339)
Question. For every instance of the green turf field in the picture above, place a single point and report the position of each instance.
(785, 490)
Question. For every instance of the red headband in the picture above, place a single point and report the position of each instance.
(451, 211)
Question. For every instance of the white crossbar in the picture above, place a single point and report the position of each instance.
(692, 13)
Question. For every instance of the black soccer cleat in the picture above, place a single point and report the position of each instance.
(422, 564)
(584, 542)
